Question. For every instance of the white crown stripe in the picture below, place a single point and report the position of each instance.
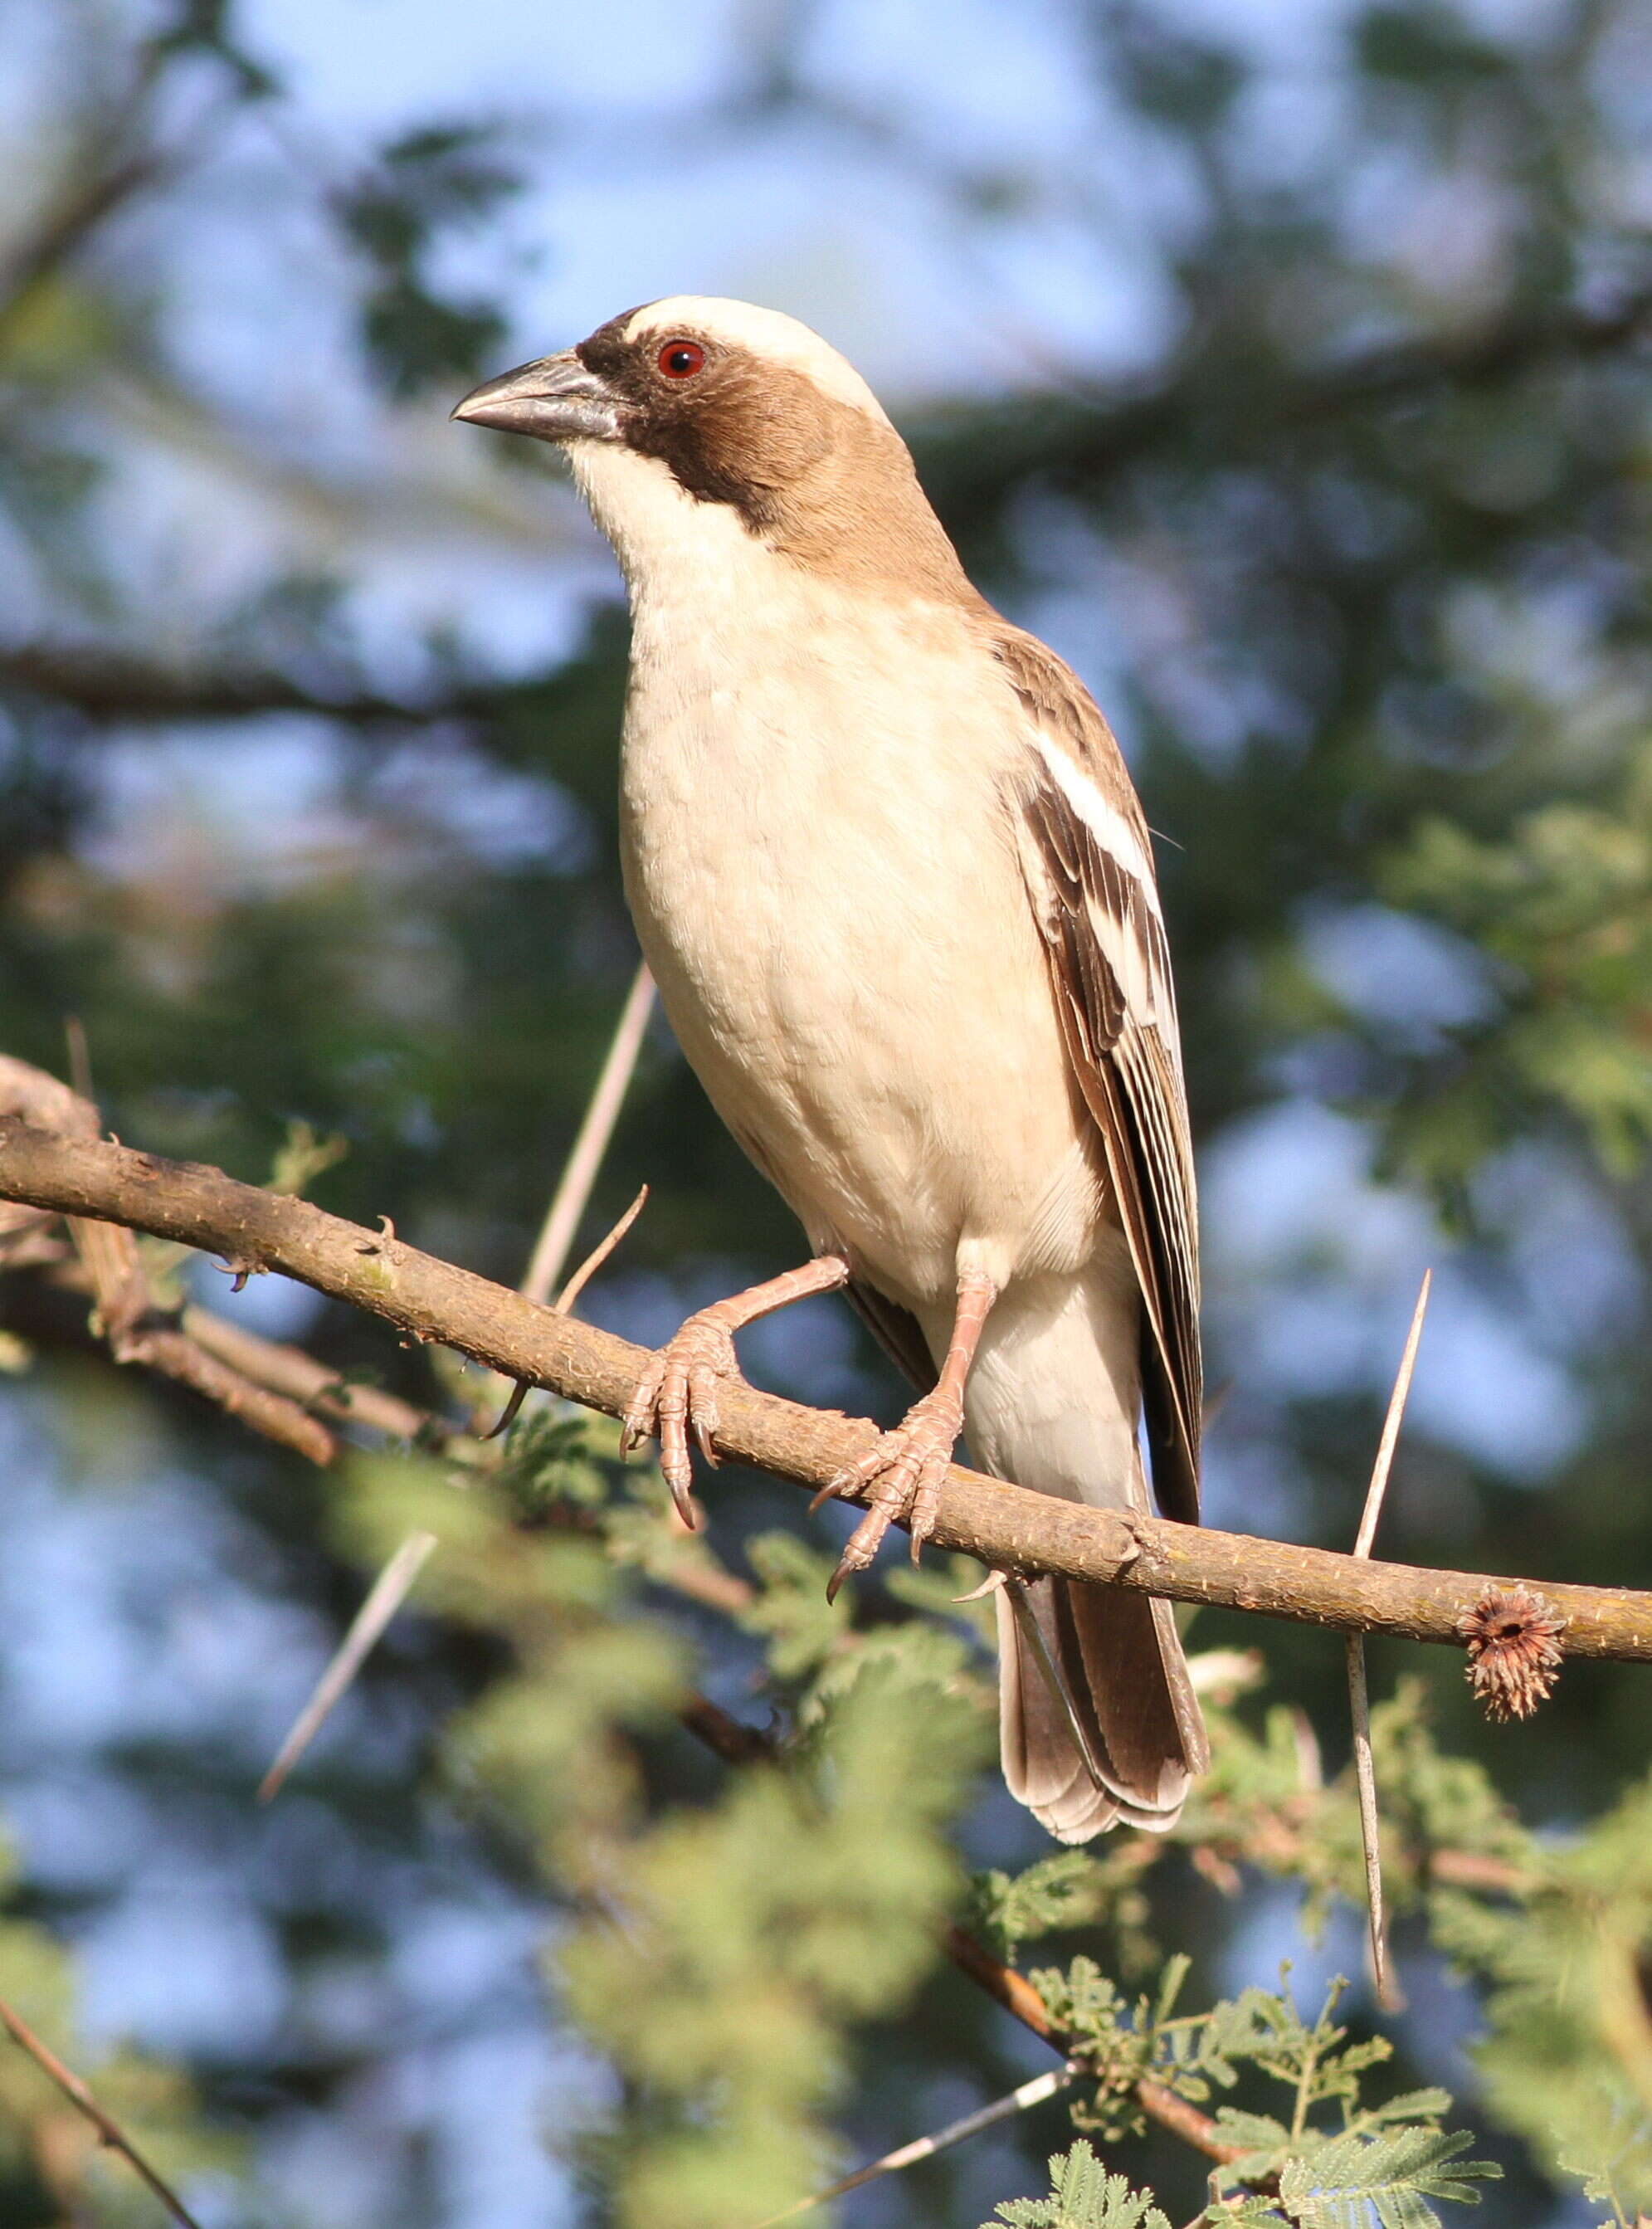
(767, 333)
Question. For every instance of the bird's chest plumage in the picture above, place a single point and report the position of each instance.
(823, 878)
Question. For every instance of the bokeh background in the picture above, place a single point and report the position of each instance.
(1284, 364)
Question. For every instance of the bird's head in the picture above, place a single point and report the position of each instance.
(694, 409)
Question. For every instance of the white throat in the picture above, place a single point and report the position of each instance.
(672, 546)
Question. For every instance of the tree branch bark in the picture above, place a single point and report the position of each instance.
(1004, 1526)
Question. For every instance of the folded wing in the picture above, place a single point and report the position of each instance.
(1086, 855)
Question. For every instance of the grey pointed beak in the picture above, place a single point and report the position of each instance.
(555, 398)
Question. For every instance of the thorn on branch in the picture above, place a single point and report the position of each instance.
(390, 1591)
(565, 1300)
(1515, 1653)
(591, 1143)
(989, 1585)
(1029, 2093)
(1388, 1994)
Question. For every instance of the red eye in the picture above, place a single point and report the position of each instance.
(681, 359)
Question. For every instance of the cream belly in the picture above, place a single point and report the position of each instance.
(884, 1046)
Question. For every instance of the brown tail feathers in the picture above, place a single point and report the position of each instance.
(1121, 1662)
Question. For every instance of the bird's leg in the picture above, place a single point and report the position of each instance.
(677, 1392)
(905, 1468)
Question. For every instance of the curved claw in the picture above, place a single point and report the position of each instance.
(676, 1402)
(703, 1416)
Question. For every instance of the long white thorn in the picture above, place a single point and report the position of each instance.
(1364, 1773)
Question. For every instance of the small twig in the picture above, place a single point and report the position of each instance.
(389, 1592)
(110, 2131)
(1002, 2109)
(312, 1384)
(124, 1311)
(585, 1158)
(1364, 1771)
(174, 1354)
(565, 1300)
(598, 1255)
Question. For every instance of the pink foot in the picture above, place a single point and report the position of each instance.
(904, 1470)
(676, 1395)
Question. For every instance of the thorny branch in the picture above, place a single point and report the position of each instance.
(293, 1373)
(109, 2130)
(1003, 1525)
(137, 1331)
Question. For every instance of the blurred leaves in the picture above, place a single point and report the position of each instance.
(1563, 901)
(1083, 2196)
(425, 184)
(48, 2151)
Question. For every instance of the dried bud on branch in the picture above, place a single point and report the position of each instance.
(1513, 1651)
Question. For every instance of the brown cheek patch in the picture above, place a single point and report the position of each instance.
(818, 480)
(741, 432)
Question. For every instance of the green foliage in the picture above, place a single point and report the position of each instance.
(425, 182)
(1562, 900)
(1083, 2195)
(45, 2146)
(303, 1156)
(804, 1901)
(720, 1955)
(1350, 2180)
(1615, 2162)
(1071, 1889)
(1380, 2162)
(1567, 2053)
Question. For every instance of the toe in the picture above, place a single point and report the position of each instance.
(860, 1549)
(855, 1557)
(679, 1476)
(848, 1480)
(926, 1500)
(703, 1415)
(639, 1421)
(672, 1408)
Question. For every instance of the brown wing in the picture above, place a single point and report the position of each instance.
(1087, 860)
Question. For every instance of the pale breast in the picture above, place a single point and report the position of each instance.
(824, 884)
